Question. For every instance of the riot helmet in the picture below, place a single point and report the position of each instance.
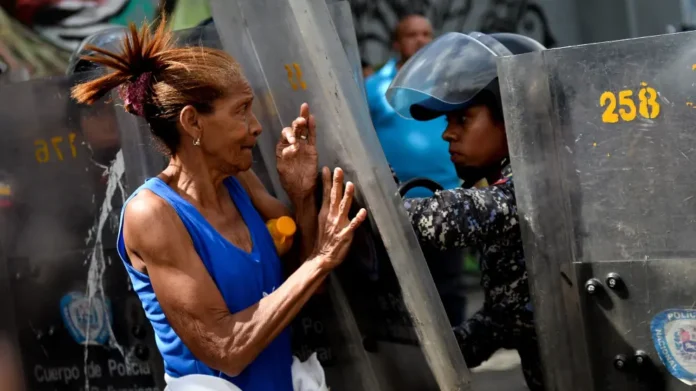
(449, 73)
(97, 123)
(108, 39)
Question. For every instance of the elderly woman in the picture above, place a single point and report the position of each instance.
(193, 239)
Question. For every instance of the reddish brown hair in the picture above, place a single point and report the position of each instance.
(157, 80)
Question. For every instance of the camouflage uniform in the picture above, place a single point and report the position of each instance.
(486, 219)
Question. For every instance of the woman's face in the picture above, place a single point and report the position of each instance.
(228, 134)
(475, 138)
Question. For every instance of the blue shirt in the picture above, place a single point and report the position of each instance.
(242, 278)
(413, 148)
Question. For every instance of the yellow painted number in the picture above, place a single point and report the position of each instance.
(626, 101)
(648, 106)
(43, 153)
(71, 140)
(295, 79)
(55, 141)
(609, 115)
(649, 101)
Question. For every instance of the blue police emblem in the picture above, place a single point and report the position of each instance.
(674, 335)
(87, 321)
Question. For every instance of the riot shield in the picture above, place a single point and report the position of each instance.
(343, 23)
(66, 297)
(602, 145)
(298, 57)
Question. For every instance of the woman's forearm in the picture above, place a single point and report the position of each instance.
(306, 217)
(254, 328)
(267, 206)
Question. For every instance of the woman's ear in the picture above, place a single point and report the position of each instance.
(190, 121)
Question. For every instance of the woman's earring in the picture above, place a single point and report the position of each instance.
(197, 141)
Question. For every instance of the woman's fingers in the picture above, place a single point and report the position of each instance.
(336, 188)
(303, 127)
(304, 111)
(297, 129)
(326, 180)
(312, 133)
(356, 221)
(344, 207)
(299, 125)
(288, 134)
(291, 151)
(309, 123)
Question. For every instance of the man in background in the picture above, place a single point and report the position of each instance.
(416, 149)
(366, 69)
(413, 149)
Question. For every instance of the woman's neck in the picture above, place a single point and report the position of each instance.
(190, 174)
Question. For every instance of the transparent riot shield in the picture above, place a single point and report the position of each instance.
(602, 145)
(298, 57)
(141, 155)
(67, 304)
(343, 23)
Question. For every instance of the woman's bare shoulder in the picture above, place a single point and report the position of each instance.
(149, 221)
(146, 206)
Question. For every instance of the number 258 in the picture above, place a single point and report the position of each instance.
(648, 106)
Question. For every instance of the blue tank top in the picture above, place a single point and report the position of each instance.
(242, 278)
(412, 148)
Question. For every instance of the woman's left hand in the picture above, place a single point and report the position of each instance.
(296, 156)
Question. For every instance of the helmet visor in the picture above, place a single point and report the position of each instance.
(108, 39)
(448, 72)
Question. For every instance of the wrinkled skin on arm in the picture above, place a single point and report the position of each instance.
(156, 238)
(464, 217)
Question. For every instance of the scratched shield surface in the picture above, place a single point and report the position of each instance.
(603, 149)
(72, 312)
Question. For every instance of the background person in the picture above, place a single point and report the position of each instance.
(367, 69)
(413, 149)
(193, 239)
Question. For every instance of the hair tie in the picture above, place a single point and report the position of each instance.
(134, 94)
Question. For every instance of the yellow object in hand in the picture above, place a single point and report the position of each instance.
(282, 231)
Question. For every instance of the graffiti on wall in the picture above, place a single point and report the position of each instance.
(375, 20)
(65, 23)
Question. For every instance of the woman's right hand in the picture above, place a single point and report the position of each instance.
(335, 229)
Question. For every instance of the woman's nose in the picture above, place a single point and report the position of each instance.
(254, 126)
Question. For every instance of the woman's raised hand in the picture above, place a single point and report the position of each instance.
(296, 156)
(336, 229)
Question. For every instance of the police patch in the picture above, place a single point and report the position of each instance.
(674, 335)
(88, 320)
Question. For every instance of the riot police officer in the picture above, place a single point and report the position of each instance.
(456, 77)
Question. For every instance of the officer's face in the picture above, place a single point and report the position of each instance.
(475, 138)
(413, 33)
